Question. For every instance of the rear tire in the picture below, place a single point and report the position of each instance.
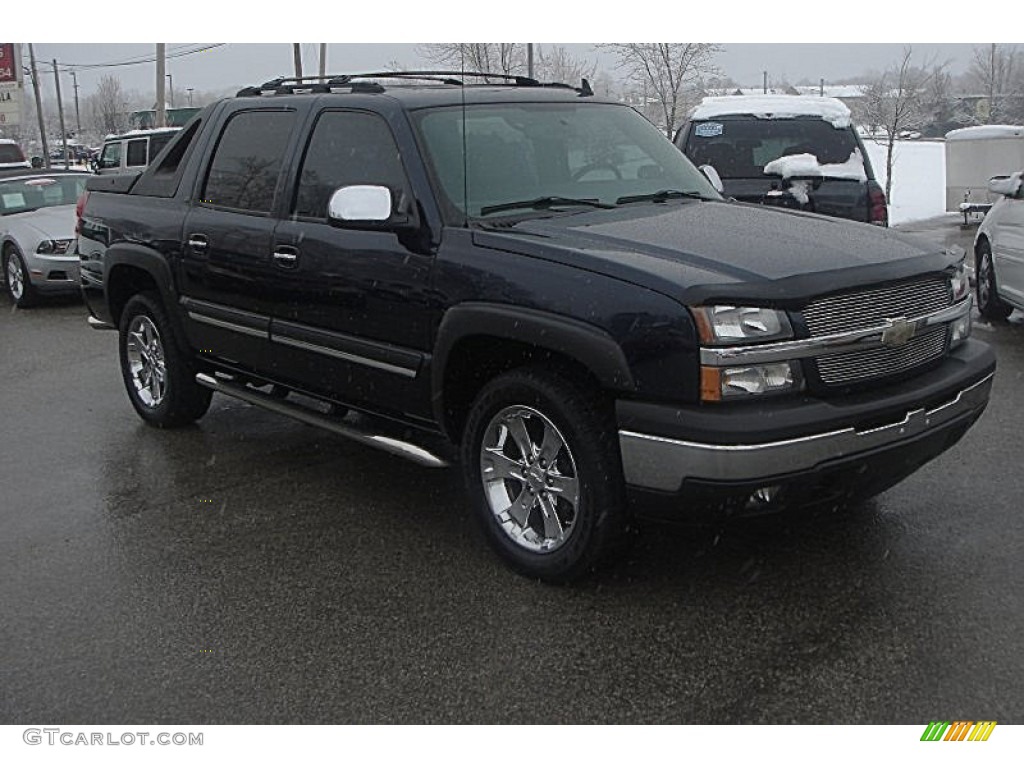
(989, 304)
(159, 377)
(541, 462)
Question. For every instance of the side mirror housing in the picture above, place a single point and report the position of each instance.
(712, 176)
(1008, 186)
(366, 206)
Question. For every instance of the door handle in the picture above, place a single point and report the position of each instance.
(286, 256)
(198, 243)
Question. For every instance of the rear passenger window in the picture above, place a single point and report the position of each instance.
(136, 152)
(247, 161)
(347, 148)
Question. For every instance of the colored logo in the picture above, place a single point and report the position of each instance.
(959, 730)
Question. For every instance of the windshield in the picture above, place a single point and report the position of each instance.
(18, 195)
(549, 155)
(740, 148)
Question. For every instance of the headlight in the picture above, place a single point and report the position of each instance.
(53, 246)
(749, 381)
(960, 283)
(722, 324)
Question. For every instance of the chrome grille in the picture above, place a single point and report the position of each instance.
(871, 308)
(853, 367)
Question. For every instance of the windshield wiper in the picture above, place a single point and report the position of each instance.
(543, 204)
(660, 196)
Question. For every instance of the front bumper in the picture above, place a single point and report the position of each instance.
(53, 273)
(722, 452)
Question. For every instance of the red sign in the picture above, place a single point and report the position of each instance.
(8, 66)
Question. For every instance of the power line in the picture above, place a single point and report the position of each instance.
(148, 59)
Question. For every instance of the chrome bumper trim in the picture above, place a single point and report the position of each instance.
(833, 344)
(663, 464)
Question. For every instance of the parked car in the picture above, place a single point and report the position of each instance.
(532, 283)
(999, 250)
(11, 155)
(797, 152)
(37, 228)
(132, 151)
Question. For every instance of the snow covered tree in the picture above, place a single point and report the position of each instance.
(895, 102)
(555, 64)
(108, 106)
(997, 72)
(669, 76)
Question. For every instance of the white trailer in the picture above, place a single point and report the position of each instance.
(973, 156)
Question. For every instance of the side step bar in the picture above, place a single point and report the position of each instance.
(392, 445)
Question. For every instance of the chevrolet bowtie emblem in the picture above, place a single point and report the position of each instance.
(898, 331)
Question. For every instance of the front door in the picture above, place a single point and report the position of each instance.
(352, 311)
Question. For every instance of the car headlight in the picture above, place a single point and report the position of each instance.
(960, 283)
(53, 246)
(724, 324)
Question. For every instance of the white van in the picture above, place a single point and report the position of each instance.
(132, 151)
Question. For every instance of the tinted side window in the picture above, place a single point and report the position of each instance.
(136, 152)
(347, 148)
(247, 161)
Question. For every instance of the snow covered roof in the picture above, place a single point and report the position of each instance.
(986, 132)
(8, 141)
(775, 107)
(835, 91)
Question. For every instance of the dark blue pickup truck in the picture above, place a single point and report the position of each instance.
(536, 285)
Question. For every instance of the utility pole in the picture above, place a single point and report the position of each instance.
(323, 62)
(170, 79)
(765, 86)
(78, 116)
(161, 105)
(190, 95)
(297, 55)
(39, 107)
(821, 87)
(529, 60)
(60, 112)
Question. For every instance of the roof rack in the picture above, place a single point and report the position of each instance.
(359, 82)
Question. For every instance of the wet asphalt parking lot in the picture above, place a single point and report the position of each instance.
(252, 569)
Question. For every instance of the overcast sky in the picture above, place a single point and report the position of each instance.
(238, 64)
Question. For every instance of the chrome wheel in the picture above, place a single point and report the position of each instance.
(530, 478)
(15, 277)
(146, 363)
(984, 278)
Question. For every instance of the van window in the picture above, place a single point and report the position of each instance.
(111, 157)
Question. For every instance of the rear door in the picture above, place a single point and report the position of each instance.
(227, 269)
(1008, 248)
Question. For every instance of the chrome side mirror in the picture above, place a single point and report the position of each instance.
(360, 203)
(712, 176)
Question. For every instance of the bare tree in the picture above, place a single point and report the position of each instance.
(109, 106)
(555, 64)
(498, 58)
(669, 74)
(894, 102)
(995, 70)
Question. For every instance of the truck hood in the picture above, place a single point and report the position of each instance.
(699, 251)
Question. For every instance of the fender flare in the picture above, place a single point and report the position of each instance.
(588, 345)
(156, 266)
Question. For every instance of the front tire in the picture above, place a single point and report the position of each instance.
(16, 277)
(159, 378)
(989, 303)
(541, 462)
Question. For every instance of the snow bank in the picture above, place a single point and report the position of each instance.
(771, 107)
(986, 132)
(918, 178)
(808, 165)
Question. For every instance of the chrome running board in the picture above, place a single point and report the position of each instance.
(391, 445)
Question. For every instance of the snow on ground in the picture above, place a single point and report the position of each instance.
(918, 178)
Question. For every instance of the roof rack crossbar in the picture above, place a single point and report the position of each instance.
(445, 77)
